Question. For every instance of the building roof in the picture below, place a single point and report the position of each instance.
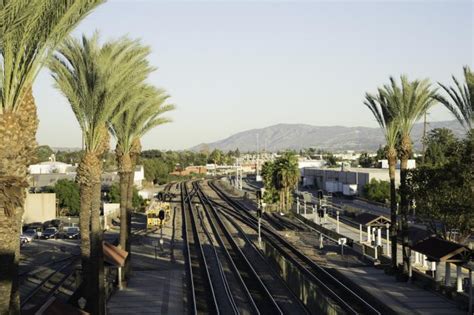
(55, 163)
(437, 249)
(114, 255)
(369, 170)
(369, 219)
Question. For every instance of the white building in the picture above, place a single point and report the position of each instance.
(139, 176)
(384, 164)
(51, 167)
(350, 180)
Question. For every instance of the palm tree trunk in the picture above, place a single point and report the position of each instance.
(405, 152)
(129, 208)
(84, 226)
(97, 287)
(392, 160)
(17, 149)
(88, 177)
(124, 177)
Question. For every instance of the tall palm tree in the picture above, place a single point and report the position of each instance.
(145, 110)
(384, 113)
(461, 99)
(30, 30)
(411, 100)
(287, 175)
(95, 80)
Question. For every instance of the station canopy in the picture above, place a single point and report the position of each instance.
(439, 250)
(372, 220)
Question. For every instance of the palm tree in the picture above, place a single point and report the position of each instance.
(95, 80)
(31, 29)
(411, 100)
(462, 99)
(384, 113)
(287, 175)
(145, 110)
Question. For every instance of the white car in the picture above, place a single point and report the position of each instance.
(23, 240)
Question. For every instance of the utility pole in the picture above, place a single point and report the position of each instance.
(256, 168)
(423, 139)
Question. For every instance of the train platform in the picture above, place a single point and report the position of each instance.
(157, 284)
(402, 297)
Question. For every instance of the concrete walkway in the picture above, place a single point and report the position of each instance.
(157, 282)
(402, 297)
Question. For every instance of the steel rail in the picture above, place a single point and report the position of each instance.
(222, 275)
(215, 221)
(192, 308)
(211, 301)
(257, 251)
(275, 238)
(35, 291)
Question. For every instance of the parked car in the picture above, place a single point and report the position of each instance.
(73, 233)
(56, 223)
(30, 234)
(50, 232)
(23, 240)
(37, 226)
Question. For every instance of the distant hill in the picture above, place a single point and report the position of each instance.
(298, 136)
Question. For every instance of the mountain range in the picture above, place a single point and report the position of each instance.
(333, 138)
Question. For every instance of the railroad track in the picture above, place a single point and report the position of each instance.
(201, 297)
(39, 285)
(255, 291)
(348, 300)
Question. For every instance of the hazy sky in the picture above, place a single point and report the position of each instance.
(236, 65)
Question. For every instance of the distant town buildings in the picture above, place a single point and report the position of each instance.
(347, 181)
(46, 174)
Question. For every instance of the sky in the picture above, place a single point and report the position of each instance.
(231, 66)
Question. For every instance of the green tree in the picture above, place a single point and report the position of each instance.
(82, 72)
(270, 195)
(384, 113)
(365, 160)
(216, 157)
(287, 177)
(31, 29)
(114, 196)
(331, 160)
(441, 145)
(443, 193)
(43, 153)
(411, 100)
(67, 193)
(378, 191)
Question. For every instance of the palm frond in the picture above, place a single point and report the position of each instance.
(96, 79)
(460, 100)
(384, 113)
(146, 106)
(31, 29)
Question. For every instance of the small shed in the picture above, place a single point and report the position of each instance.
(372, 220)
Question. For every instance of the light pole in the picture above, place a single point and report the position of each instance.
(337, 221)
(259, 213)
